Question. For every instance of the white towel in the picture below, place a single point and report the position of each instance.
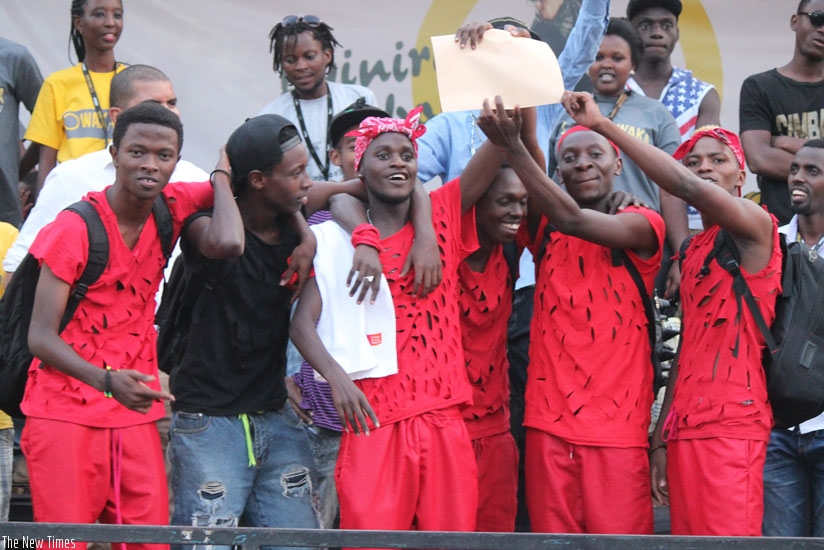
(361, 338)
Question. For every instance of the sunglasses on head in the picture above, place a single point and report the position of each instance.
(816, 17)
(310, 20)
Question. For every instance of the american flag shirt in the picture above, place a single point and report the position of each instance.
(682, 96)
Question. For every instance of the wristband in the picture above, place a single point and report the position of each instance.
(367, 234)
(661, 446)
(107, 383)
(219, 171)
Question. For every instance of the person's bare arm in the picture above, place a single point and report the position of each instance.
(424, 256)
(674, 212)
(763, 158)
(631, 231)
(29, 159)
(302, 257)
(50, 299)
(709, 112)
(749, 224)
(789, 144)
(658, 448)
(484, 164)
(47, 161)
(220, 235)
(350, 402)
(323, 193)
(366, 271)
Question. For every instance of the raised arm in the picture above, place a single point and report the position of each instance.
(631, 231)
(220, 235)
(747, 222)
(584, 41)
(482, 168)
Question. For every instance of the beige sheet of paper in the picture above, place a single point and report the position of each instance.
(522, 71)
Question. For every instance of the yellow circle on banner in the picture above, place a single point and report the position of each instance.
(443, 17)
(701, 53)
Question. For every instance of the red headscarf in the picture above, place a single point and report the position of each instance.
(730, 139)
(371, 127)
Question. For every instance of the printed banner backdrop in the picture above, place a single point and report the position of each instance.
(216, 52)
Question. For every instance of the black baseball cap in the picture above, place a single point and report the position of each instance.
(351, 116)
(256, 145)
(501, 22)
(636, 6)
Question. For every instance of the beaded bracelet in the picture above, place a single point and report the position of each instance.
(107, 383)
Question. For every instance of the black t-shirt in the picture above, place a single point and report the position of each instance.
(784, 107)
(235, 359)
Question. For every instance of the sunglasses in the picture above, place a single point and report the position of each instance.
(310, 20)
(816, 17)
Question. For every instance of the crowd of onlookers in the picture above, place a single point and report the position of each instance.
(350, 350)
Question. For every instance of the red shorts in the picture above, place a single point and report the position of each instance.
(497, 458)
(716, 486)
(71, 472)
(585, 489)
(417, 473)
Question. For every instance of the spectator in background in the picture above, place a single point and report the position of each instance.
(20, 82)
(69, 119)
(554, 20)
(7, 235)
(794, 469)
(777, 109)
(304, 49)
(72, 179)
(693, 102)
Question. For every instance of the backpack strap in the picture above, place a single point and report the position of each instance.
(728, 257)
(98, 256)
(165, 227)
(512, 261)
(619, 257)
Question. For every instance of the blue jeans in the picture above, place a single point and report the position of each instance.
(215, 485)
(6, 465)
(794, 485)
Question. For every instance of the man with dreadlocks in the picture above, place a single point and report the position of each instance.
(416, 468)
(304, 49)
(70, 117)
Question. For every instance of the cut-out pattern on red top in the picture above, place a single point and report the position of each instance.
(431, 373)
(590, 377)
(717, 394)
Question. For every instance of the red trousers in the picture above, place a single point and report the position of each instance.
(716, 486)
(497, 459)
(72, 469)
(584, 489)
(417, 473)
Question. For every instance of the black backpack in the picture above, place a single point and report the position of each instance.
(793, 358)
(18, 300)
(190, 276)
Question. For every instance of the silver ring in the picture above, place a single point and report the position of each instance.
(369, 278)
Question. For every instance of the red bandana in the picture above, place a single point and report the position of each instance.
(730, 139)
(579, 128)
(371, 127)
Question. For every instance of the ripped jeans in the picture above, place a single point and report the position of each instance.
(215, 485)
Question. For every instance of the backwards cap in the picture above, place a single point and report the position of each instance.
(352, 116)
(255, 145)
(372, 127)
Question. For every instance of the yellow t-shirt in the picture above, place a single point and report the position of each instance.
(64, 117)
(8, 234)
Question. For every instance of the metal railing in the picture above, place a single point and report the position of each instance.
(30, 536)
